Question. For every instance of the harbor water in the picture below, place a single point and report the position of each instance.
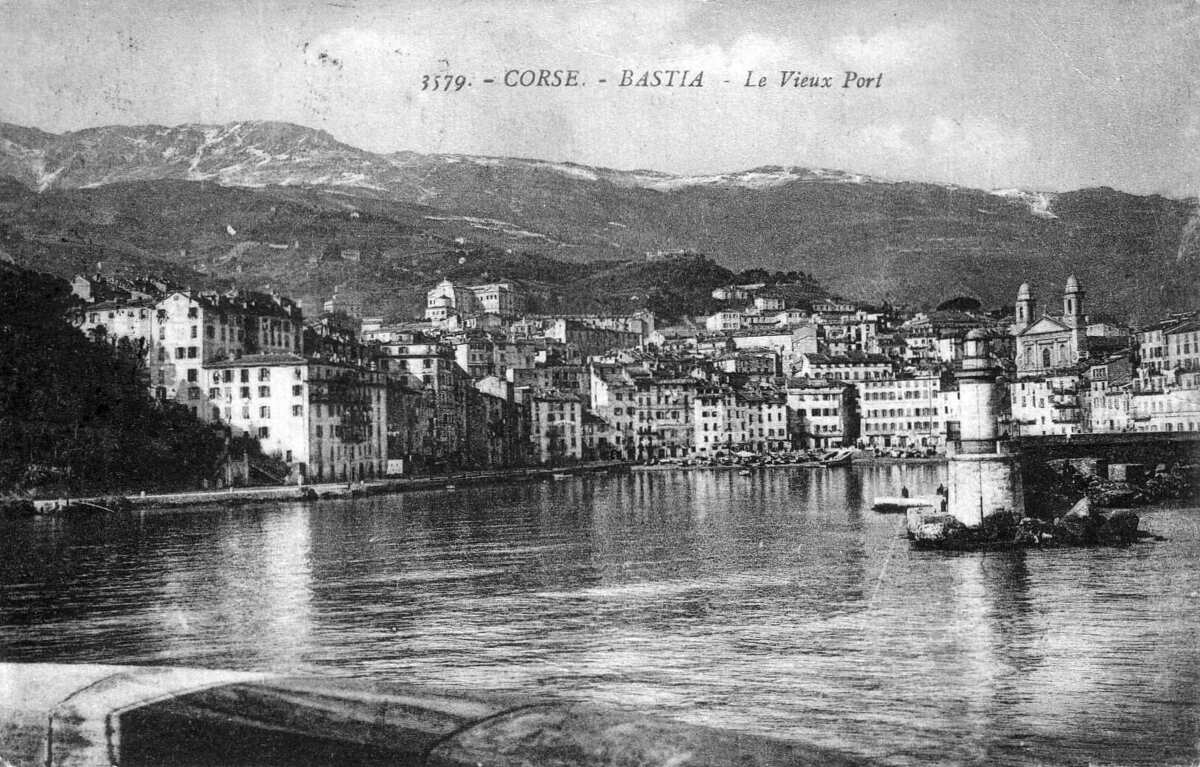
(776, 603)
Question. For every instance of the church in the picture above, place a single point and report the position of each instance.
(1046, 344)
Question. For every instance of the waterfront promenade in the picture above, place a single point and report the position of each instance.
(321, 490)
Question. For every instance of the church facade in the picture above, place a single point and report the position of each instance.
(1047, 344)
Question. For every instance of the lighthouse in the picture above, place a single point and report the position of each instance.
(984, 481)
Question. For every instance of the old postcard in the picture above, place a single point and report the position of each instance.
(599, 382)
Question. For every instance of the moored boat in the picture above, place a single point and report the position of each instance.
(842, 457)
(886, 504)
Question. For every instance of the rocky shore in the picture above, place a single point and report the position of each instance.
(1068, 503)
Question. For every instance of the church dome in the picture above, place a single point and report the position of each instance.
(1023, 292)
(1072, 284)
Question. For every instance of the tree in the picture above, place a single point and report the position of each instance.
(75, 413)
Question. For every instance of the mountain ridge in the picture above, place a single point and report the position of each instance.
(863, 237)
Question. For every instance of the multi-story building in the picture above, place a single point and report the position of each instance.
(902, 412)
(766, 414)
(483, 355)
(417, 361)
(568, 379)
(855, 366)
(1047, 404)
(1182, 345)
(499, 433)
(1173, 409)
(588, 339)
(499, 298)
(448, 299)
(1152, 348)
(762, 362)
(184, 330)
(614, 399)
(664, 426)
(822, 413)
(327, 421)
(411, 415)
(132, 319)
(555, 427)
(1105, 401)
(718, 422)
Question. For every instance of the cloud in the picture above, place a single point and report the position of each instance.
(897, 47)
(979, 141)
(751, 51)
(976, 151)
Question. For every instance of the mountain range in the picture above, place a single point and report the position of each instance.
(280, 205)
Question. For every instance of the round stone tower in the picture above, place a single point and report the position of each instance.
(984, 479)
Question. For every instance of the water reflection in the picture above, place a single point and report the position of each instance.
(775, 602)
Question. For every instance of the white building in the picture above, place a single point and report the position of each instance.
(327, 421)
(1047, 405)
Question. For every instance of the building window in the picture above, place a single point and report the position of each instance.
(245, 377)
(180, 352)
(194, 331)
(245, 391)
(193, 375)
(297, 390)
(191, 352)
(263, 432)
(192, 313)
(297, 410)
(264, 391)
(264, 412)
(264, 374)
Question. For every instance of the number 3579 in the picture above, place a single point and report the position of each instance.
(443, 82)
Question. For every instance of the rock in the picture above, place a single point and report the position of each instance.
(1081, 510)
(1116, 497)
(1121, 526)
(1078, 525)
(938, 529)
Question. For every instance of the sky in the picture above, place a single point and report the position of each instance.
(1038, 95)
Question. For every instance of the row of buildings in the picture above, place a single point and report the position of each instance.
(481, 383)
(1072, 376)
